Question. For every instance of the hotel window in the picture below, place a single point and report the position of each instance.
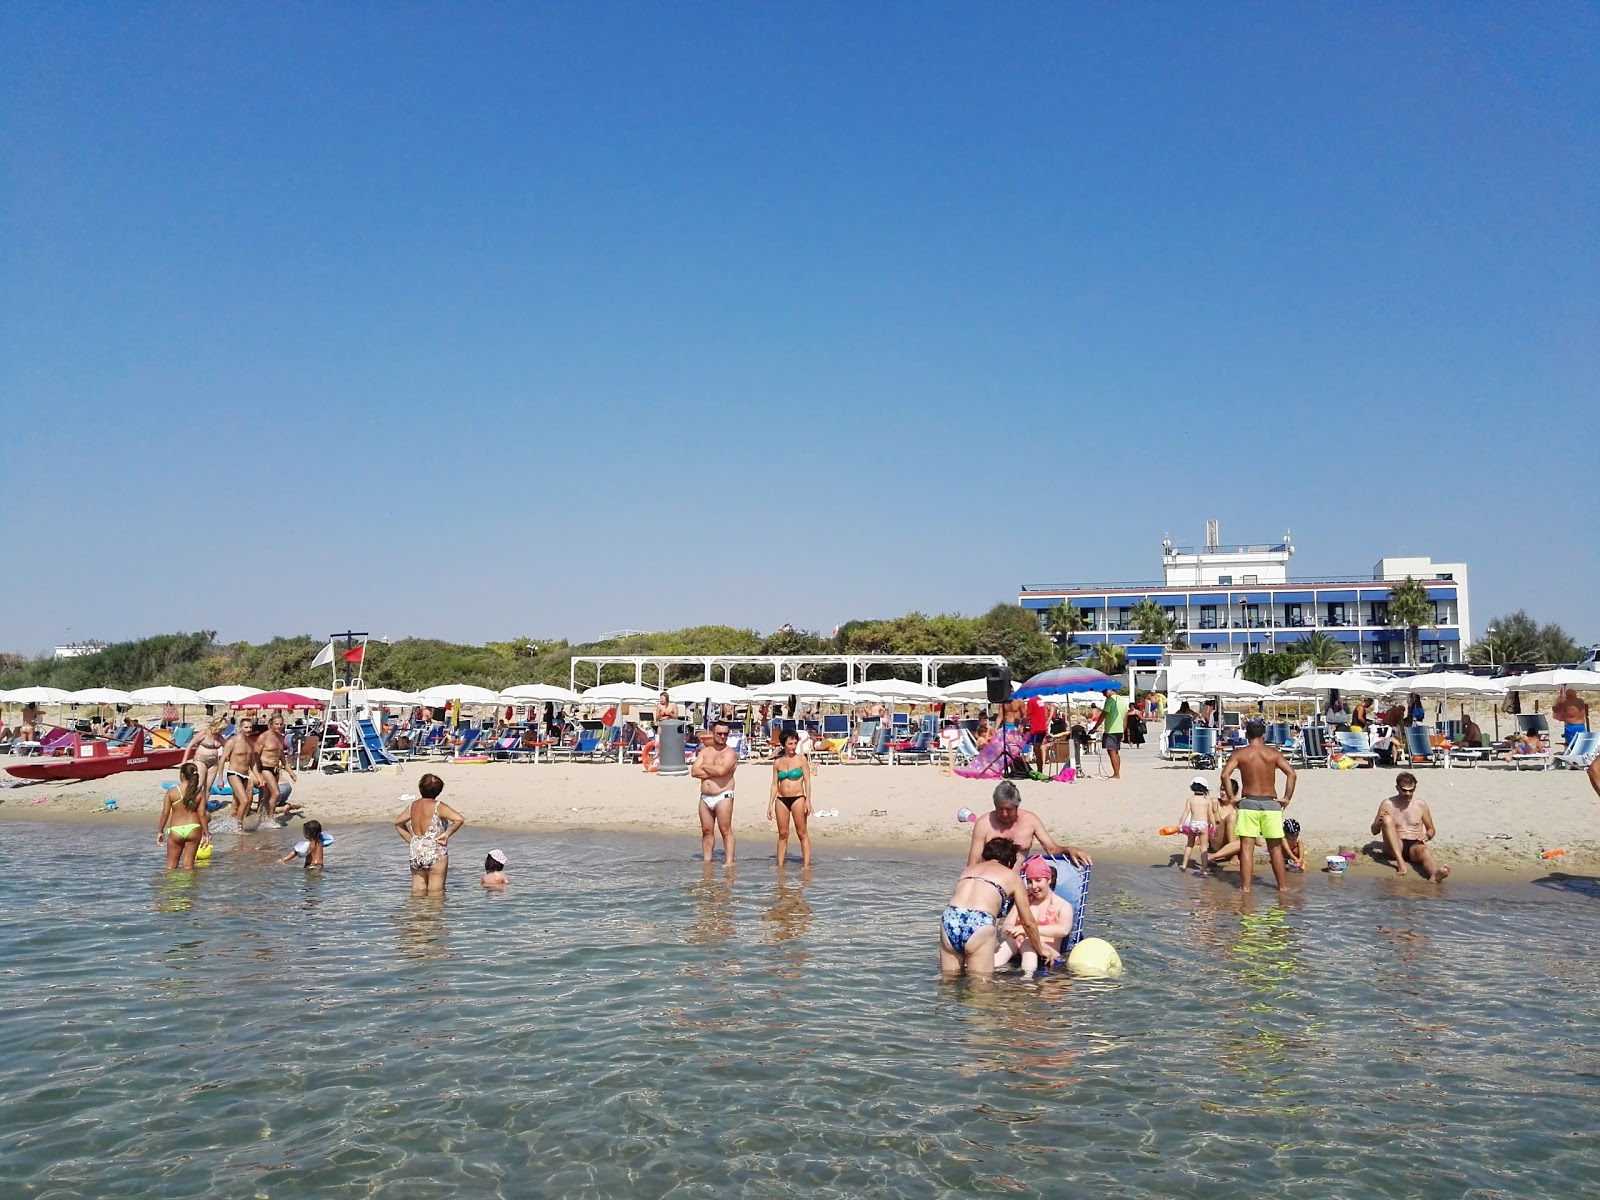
(1252, 615)
(1208, 616)
(1380, 613)
(1180, 621)
(1292, 616)
(1252, 579)
(1335, 614)
(1224, 579)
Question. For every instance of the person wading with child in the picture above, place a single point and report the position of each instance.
(1010, 820)
(1260, 812)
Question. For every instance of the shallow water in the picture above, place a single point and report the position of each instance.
(621, 1022)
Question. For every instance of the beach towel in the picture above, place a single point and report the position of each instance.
(1005, 748)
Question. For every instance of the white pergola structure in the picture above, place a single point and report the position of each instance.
(784, 666)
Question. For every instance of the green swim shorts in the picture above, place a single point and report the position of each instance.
(1259, 817)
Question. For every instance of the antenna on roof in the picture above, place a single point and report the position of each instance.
(1212, 536)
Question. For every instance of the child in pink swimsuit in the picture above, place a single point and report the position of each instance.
(1052, 914)
(1195, 822)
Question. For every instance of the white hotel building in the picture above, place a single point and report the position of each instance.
(1240, 600)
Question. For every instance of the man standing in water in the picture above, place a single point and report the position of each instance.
(239, 768)
(714, 766)
(1260, 811)
(1010, 820)
(272, 749)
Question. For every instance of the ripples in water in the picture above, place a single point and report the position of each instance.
(621, 1021)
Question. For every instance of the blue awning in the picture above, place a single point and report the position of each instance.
(1032, 603)
(1345, 635)
(1338, 597)
(1291, 597)
(1122, 639)
(1146, 653)
(1251, 598)
(1122, 601)
(1381, 635)
(1374, 595)
(1441, 593)
(1441, 635)
(1090, 602)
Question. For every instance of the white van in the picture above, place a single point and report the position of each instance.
(1587, 660)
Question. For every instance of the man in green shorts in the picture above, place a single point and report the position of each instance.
(1260, 811)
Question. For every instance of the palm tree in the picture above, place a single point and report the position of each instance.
(1154, 626)
(1410, 608)
(1063, 623)
(1322, 650)
(1109, 659)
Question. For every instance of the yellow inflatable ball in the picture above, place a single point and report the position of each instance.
(203, 854)
(1094, 958)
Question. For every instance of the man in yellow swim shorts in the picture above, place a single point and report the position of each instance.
(1260, 811)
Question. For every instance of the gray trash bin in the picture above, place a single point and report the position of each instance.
(670, 736)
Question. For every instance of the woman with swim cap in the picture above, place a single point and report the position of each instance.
(185, 825)
(790, 799)
(969, 929)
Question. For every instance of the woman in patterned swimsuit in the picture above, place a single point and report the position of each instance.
(968, 932)
(426, 825)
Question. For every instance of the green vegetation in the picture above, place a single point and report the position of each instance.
(198, 660)
(1322, 650)
(1154, 626)
(1410, 609)
(1519, 638)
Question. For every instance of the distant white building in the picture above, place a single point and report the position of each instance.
(79, 649)
(1239, 600)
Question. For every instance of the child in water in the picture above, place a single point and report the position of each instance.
(1050, 911)
(310, 849)
(1196, 823)
(494, 870)
(1291, 845)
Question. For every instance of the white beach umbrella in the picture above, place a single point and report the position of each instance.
(897, 689)
(1553, 681)
(617, 693)
(165, 694)
(226, 693)
(708, 690)
(537, 693)
(1224, 687)
(800, 689)
(34, 695)
(467, 693)
(97, 696)
(390, 696)
(1328, 681)
(1449, 685)
(312, 693)
(967, 689)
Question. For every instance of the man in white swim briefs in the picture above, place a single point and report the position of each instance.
(713, 767)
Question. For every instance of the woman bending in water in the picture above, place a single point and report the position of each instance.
(426, 825)
(790, 799)
(185, 825)
(968, 932)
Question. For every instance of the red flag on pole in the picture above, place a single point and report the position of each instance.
(357, 654)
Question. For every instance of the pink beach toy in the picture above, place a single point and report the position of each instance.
(966, 815)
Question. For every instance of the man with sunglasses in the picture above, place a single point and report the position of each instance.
(1407, 827)
(1260, 812)
(714, 766)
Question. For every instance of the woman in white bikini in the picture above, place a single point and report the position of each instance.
(426, 826)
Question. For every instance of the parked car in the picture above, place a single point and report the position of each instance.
(1589, 660)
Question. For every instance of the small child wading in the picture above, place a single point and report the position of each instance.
(1195, 823)
(311, 848)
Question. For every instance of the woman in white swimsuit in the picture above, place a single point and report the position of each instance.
(426, 826)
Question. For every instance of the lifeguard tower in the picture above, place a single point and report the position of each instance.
(351, 741)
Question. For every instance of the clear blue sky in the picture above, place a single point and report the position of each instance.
(476, 321)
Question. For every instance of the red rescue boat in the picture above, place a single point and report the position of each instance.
(95, 760)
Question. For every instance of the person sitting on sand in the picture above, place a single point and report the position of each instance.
(494, 870)
(309, 849)
(1293, 851)
(1528, 742)
(1407, 828)
(1051, 913)
(968, 931)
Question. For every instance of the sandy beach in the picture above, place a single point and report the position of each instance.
(1493, 822)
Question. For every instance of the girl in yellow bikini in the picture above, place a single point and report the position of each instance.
(185, 824)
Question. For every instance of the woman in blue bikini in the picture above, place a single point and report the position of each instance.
(790, 799)
(969, 931)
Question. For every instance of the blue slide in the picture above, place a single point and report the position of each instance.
(370, 749)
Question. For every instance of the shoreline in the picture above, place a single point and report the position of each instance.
(1492, 823)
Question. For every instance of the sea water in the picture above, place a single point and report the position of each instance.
(624, 1022)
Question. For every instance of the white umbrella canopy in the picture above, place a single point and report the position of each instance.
(165, 694)
(1225, 687)
(97, 696)
(897, 689)
(1328, 681)
(537, 693)
(390, 696)
(967, 689)
(467, 693)
(313, 693)
(800, 689)
(34, 695)
(1448, 685)
(1553, 681)
(618, 693)
(708, 689)
(227, 693)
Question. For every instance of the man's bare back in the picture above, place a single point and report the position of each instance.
(1257, 766)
